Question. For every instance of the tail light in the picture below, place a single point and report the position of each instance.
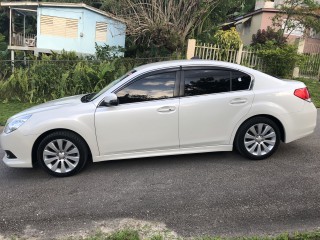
(303, 93)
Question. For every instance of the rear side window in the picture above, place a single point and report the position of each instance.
(199, 82)
(240, 81)
(153, 87)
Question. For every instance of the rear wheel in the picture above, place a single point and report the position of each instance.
(258, 138)
(62, 153)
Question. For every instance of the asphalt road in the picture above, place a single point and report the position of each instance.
(193, 195)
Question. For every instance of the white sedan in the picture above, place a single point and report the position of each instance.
(166, 108)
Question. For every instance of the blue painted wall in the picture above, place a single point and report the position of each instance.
(87, 24)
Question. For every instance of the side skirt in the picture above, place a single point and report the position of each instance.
(179, 151)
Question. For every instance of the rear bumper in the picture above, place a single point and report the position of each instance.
(300, 124)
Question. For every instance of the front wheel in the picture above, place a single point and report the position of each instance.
(258, 138)
(62, 153)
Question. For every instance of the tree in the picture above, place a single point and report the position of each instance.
(165, 23)
(224, 11)
(3, 44)
(4, 20)
(297, 15)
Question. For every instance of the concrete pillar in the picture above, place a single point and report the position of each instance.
(301, 44)
(239, 54)
(24, 58)
(191, 48)
(12, 60)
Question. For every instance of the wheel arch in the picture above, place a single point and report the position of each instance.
(274, 119)
(43, 135)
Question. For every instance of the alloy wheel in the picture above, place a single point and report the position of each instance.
(61, 156)
(260, 139)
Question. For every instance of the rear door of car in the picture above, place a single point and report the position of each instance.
(213, 100)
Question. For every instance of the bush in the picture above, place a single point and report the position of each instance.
(229, 39)
(263, 36)
(46, 80)
(280, 61)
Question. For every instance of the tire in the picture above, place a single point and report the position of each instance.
(258, 138)
(62, 153)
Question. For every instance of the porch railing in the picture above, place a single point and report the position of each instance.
(29, 40)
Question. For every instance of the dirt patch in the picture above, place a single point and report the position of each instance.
(146, 229)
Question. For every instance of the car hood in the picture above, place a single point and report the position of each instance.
(51, 105)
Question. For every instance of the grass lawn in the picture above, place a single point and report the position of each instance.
(131, 234)
(9, 109)
(314, 88)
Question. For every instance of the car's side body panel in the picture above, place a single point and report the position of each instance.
(163, 152)
(208, 120)
(74, 117)
(298, 117)
(142, 126)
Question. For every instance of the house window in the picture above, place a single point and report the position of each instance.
(58, 26)
(101, 31)
(313, 34)
(292, 27)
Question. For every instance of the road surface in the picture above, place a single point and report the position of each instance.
(192, 195)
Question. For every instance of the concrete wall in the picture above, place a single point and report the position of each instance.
(266, 20)
(85, 42)
(249, 28)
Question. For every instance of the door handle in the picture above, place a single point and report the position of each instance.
(166, 109)
(238, 101)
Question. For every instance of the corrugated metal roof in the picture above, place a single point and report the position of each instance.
(35, 5)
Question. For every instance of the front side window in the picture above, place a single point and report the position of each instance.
(199, 82)
(153, 87)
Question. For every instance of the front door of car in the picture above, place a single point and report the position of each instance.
(146, 118)
(213, 102)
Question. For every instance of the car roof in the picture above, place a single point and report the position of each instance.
(194, 62)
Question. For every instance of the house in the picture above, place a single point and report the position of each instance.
(62, 26)
(261, 18)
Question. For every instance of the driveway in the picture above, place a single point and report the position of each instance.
(192, 195)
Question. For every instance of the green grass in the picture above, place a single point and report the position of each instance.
(9, 109)
(128, 234)
(314, 88)
(139, 234)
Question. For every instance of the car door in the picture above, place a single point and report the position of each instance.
(213, 101)
(146, 118)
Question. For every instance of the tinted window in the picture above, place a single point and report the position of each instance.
(154, 87)
(240, 81)
(198, 82)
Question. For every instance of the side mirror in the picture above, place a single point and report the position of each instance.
(110, 100)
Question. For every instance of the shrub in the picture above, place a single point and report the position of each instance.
(280, 61)
(263, 36)
(229, 39)
(52, 78)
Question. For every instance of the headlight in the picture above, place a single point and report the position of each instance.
(16, 123)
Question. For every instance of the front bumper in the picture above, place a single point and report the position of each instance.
(21, 146)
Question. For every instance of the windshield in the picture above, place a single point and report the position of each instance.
(110, 85)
